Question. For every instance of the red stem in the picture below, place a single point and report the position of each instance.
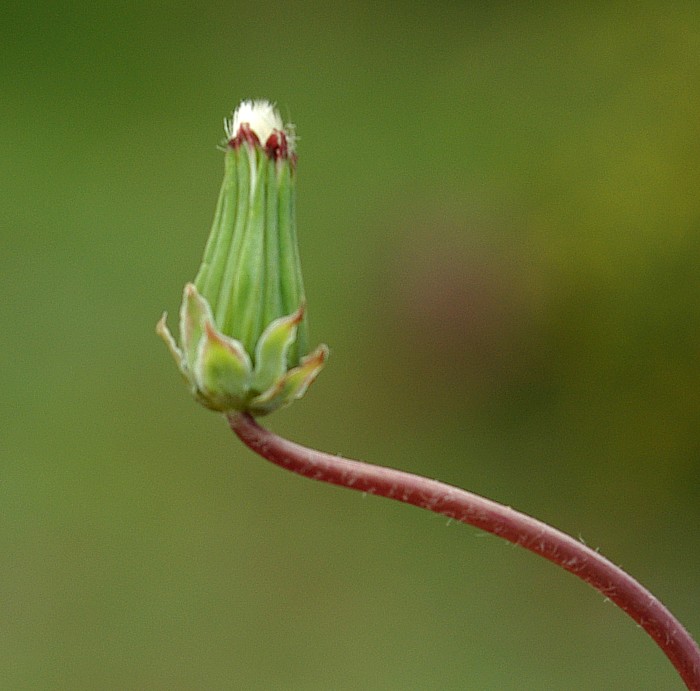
(492, 517)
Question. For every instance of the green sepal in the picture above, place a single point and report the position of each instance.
(194, 312)
(291, 386)
(164, 332)
(272, 348)
(222, 370)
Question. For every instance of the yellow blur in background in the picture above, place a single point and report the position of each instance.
(499, 224)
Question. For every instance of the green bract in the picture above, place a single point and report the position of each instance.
(243, 342)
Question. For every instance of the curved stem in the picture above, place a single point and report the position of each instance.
(492, 517)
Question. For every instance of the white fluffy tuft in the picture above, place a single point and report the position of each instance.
(262, 117)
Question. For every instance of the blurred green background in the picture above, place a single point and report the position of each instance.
(500, 228)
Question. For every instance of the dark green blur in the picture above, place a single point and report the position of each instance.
(499, 224)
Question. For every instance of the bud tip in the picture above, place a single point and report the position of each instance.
(259, 123)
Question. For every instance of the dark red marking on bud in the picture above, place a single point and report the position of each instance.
(276, 145)
(244, 134)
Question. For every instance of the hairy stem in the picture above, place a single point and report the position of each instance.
(511, 525)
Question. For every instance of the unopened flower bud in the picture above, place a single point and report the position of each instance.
(243, 327)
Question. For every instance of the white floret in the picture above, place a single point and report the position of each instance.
(261, 116)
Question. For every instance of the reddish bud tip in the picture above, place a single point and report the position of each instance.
(276, 145)
(244, 134)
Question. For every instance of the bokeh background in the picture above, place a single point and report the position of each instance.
(500, 229)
